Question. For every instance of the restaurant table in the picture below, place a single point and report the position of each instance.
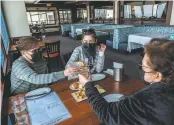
(82, 113)
(79, 31)
(138, 40)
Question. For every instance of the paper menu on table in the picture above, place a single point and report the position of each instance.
(47, 110)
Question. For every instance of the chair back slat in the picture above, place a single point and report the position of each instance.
(53, 47)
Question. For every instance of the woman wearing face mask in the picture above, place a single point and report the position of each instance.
(153, 105)
(89, 49)
(25, 75)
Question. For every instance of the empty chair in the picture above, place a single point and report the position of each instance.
(52, 51)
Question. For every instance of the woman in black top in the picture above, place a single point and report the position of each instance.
(153, 105)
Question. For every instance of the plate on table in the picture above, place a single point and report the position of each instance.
(80, 95)
(113, 97)
(40, 92)
(97, 77)
(75, 86)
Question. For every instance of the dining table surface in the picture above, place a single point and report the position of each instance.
(82, 113)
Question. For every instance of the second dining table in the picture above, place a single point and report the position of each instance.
(82, 113)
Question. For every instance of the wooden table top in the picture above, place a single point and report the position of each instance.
(105, 30)
(82, 113)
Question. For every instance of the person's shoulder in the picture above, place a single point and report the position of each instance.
(19, 62)
(150, 91)
(78, 49)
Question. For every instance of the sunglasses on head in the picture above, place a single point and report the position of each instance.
(88, 30)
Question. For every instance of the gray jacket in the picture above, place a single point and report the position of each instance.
(78, 55)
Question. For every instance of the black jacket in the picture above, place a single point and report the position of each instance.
(153, 105)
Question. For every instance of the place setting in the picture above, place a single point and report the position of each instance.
(84, 68)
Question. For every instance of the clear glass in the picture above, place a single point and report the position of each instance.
(89, 63)
(20, 110)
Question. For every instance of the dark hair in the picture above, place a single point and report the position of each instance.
(158, 42)
(161, 55)
(27, 43)
(89, 32)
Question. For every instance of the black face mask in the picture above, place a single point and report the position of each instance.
(89, 49)
(36, 56)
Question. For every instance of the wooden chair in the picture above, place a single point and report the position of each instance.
(52, 51)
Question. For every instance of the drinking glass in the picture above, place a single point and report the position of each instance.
(20, 110)
(90, 63)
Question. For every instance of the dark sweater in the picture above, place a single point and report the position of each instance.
(153, 105)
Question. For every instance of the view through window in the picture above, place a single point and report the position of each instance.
(81, 13)
(65, 16)
(103, 13)
(46, 17)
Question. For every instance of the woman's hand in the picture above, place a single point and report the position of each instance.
(102, 48)
(84, 78)
(70, 72)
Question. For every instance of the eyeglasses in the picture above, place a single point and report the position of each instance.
(90, 41)
(141, 68)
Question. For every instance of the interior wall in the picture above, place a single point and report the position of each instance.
(16, 18)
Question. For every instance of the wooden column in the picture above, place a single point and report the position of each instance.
(116, 12)
(170, 13)
(113, 12)
(74, 14)
(88, 12)
(92, 12)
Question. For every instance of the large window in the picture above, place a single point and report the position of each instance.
(103, 13)
(46, 17)
(65, 16)
(81, 13)
(149, 9)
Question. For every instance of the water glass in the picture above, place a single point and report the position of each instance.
(89, 62)
(20, 110)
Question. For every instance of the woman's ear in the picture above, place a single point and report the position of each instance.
(158, 77)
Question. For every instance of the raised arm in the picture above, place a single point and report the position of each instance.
(24, 72)
(127, 111)
(100, 58)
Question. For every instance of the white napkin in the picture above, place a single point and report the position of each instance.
(109, 71)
